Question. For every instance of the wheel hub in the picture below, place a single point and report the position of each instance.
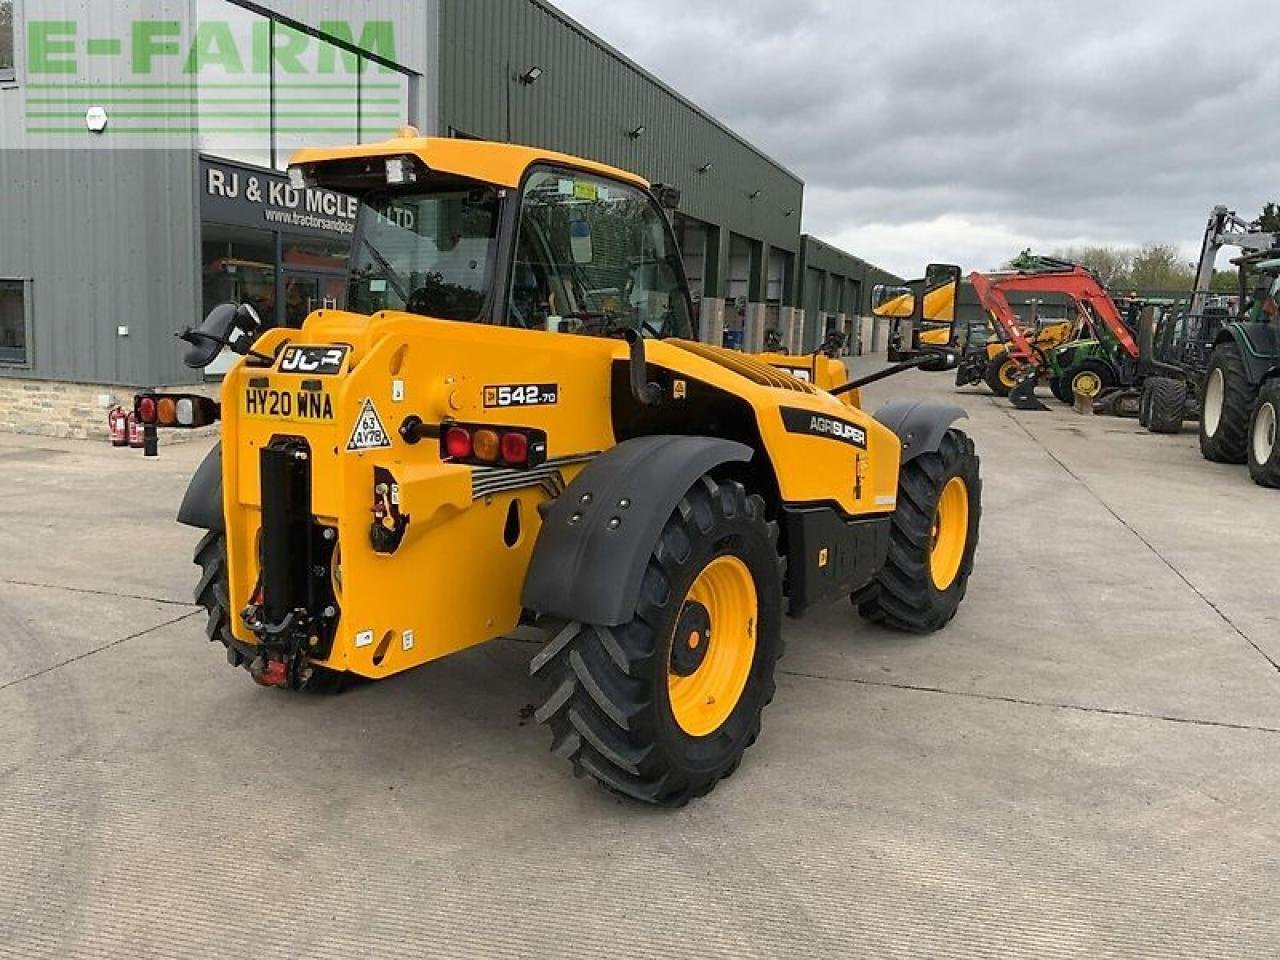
(1264, 433)
(692, 640)
(713, 646)
(1088, 385)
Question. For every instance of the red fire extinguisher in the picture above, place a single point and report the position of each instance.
(136, 437)
(118, 425)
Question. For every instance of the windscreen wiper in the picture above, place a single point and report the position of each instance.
(388, 272)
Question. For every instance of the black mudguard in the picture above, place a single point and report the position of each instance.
(202, 506)
(1259, 347)
(920, 426)
(596, 540)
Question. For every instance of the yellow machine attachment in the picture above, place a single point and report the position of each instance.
(510, 422)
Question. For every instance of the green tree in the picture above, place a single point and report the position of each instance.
(1111, 264)
(1225, 281)
(1270, 218)
(1157, 267)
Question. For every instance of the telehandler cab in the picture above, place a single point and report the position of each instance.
(511, 423)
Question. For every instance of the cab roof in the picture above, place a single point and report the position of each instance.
(502, 164)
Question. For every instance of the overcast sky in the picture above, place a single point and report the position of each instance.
(966, 130)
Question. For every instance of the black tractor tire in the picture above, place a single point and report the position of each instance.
(609, 703)
(993, 374)
(1098, 368)
(905, 595)
(213, 594)
(1264, 437)
(1166, 401)
(1144, 404)
(1061, 391)
(1226, 404)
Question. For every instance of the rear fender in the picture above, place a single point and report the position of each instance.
(202, 505)
(1259, 345)
(596, 539)
(920, 426)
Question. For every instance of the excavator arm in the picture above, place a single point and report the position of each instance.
(1069, 280)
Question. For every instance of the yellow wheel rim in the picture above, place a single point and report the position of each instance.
(723, 652)
(1087, 384)
(1009, 374)
(950, 533)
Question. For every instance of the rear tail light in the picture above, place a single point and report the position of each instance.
(181, 410)
(457, 443)
(515, 448)
(489, 446)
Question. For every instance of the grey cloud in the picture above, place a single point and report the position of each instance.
(1119, 122)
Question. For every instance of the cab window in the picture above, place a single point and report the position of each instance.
(594, 256)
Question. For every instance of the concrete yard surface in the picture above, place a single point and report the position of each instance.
(1086, 763)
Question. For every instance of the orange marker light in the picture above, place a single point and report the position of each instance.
(486, 445)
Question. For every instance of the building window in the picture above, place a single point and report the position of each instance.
(265, 88)
(6, 40)
(15, 324)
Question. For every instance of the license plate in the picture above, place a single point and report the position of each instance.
(300, 406)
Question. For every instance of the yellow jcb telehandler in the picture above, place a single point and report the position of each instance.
(511, 423)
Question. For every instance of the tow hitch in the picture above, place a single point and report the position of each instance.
(293, 611)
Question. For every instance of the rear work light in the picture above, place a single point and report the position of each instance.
(484, 445)
(181, 410)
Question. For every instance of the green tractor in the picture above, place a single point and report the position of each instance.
(1241, 394)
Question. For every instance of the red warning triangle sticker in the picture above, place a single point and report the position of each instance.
(369, 433)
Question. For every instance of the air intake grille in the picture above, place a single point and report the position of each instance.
(746, 366)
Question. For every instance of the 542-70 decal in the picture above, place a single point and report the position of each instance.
(522, 395)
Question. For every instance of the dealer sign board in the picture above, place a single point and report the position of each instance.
(251, 197)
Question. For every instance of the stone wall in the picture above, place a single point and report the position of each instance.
(46, 408)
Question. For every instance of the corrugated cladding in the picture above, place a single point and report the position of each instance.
(487, 44)
(107, 237)
(853, 273)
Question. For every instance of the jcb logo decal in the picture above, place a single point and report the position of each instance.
(323, 361)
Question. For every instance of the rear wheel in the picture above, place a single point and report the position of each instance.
(932, 540)
(213, 594)
(1166, 404)
(1090, 378)
(1226, 406)
(1001, 375)
(1144, 404)
(1061, 390)
(662, 707)
(1264, 452)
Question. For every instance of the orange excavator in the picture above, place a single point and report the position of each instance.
(1090, 365)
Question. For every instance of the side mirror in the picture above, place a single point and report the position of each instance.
(217, 333)
(940, 361)
(892, 301)
(941, 290)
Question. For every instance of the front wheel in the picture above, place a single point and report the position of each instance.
(1090, 379)
(932, 540)
(1001, 375)
(1166, 405)
(662, 707)
(1264, 452)
(1226, 406)
(1061, 390)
